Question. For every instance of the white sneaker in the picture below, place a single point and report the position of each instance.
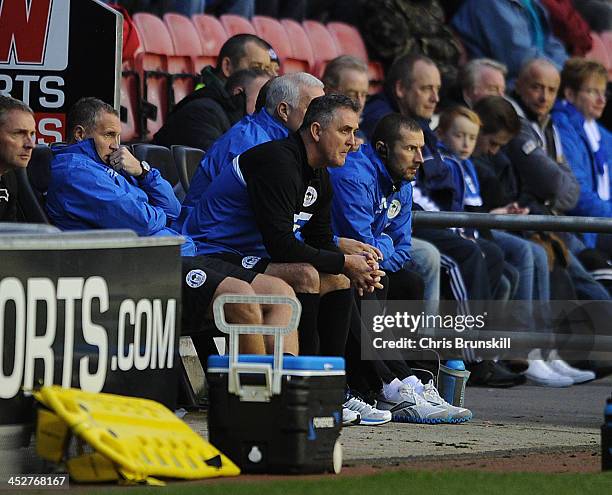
(349, 417)
(561, 367)
(412, 408)
(541, 374)
(455, 414)
(369, 415)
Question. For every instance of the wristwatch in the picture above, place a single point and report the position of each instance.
(146, 168)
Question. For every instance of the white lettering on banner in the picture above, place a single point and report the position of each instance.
(35, 308)
(163, 335)
(52, 96)
(127, 308)
(43, 130)
(39, 346)
(11, 292)
(70, 290)
(95, 288)
(34, 35)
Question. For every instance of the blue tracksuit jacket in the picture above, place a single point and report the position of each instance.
(85, 193)
(369, 207)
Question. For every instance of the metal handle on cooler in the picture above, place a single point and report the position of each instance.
(273, 373)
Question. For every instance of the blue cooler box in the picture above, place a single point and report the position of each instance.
(294, 431)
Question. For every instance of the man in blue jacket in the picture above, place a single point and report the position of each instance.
(373, 195)
(95, 183)
(287, 99)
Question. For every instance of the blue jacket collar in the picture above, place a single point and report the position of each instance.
(571, 112)
(86, 147)
(370, 153)
(275, 129)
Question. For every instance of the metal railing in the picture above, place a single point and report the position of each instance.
(512, 222)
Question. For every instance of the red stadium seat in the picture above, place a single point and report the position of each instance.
(157, 64)
(130, 98)
(600, 53)
(234, 24)
(323, 46)
(212, 36)
(274, 33)
(300, 48)
(348, 40)
(185, 39)
(152, 64)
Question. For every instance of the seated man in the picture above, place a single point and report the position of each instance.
(372, 203)
(287, 98)
(96, 183)
(269, 211)
(202, 117)
(17, 134)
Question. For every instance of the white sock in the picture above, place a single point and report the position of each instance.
(415, 383)
(390, 390)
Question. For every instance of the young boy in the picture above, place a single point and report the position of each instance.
(458, 132)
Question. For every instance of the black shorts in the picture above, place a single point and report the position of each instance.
(251, 263)
(201, 276)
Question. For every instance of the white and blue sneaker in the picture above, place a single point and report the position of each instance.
(350, 418)
(455, 414)
(412, 407)
(370, 416)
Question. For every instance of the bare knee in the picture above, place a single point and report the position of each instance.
(246, 313)
(266, 284)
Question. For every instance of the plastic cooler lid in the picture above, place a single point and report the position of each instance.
(302, 363)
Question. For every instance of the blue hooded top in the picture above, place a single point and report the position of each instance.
(85, 193)
(369, 207)
(249, 132)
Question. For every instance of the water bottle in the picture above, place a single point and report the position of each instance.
(606, 438)
(451, 381)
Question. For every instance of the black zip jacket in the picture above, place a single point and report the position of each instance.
(291, 202)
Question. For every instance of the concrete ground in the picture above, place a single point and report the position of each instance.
(525, 419)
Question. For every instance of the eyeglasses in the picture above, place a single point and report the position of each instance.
(596, 93)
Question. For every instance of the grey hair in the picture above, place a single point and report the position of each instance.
(8, 104)
(470, 71)
(334, 69)
(85, 112)
(287, 88)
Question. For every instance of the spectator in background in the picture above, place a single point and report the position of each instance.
(482, 77)
(242, 51)
(548, 185)
(586, 144)
(204, 116)
(347, 75)
(536, 151)
(510, 31)
(17, 138)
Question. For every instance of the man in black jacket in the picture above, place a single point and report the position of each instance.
(205, 115)
(270, 212)
(17, 134)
